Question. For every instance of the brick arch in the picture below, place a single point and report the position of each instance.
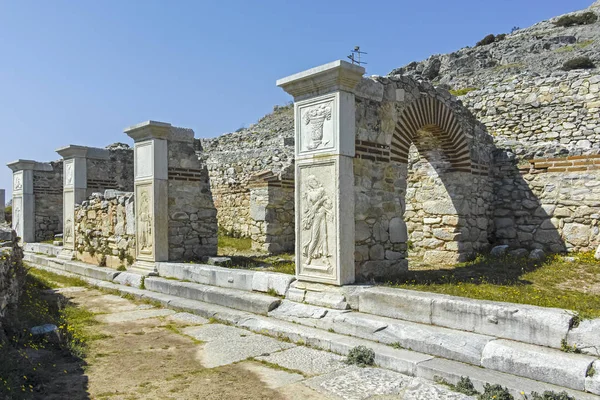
(433, 116)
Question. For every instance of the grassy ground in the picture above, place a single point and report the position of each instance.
(42, 366)
(557, 282)
(244, 257)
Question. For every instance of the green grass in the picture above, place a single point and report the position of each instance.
(576, 46)
(462, 92)
(508, 66)
(554, 283)
(54, 281)
(230, 242)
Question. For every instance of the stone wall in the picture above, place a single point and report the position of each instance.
(105, 229)
(235, 158)
(48, 193)
(421, 177)
(542, 116)
(272, 212)
(115, 173)
(192, 215)
(12, 273)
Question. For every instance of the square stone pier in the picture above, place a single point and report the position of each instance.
(90, 170)
(175, 215)
(324, 107)
(2, 205)
(37, 199)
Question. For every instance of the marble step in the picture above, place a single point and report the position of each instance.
(233, 298)
(75, 267)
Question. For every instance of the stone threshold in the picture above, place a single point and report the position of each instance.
(400, 360)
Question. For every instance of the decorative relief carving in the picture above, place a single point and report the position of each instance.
(144, 226)
(68, 230)
(315, 118)
(316, 217)
(18, 182)
(69, 175)
(17, 227)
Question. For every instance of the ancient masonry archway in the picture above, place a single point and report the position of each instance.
(357, 139)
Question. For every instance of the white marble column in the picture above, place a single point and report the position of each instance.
(23, 218)
(75, 185)
(2, 205)
(151, 194)
(325, 135)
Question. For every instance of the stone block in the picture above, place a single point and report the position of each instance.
(398, 231)
(331, 299)
(499, 251)
(264, 281)
(129, 279)
(395, 303)
(592, 382)
(236, 299)
(586, 337)
(539, 363)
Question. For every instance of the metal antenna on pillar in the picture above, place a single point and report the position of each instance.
(355, 56)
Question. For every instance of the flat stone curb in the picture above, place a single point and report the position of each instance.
(129, 279)
(452, 371)
(539, 363)
(530, 324)
(237, 299)
(428, 339)
(79, 268)
(43, 248)
(586, 337)
(257, 281)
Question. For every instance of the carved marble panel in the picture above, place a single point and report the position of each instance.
(144, 160)
(317, 220)
(17, 217)
(316, 125)
(69, 173)
(144, 217)
(69, 218)
(18, 181)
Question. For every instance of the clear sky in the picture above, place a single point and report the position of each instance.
(79, 71)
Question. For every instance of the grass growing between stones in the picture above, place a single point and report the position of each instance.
(233, 243)
(557, 282)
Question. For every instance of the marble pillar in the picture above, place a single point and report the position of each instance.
(324, 107)
(151, 194)
(23, 206)
(2, 205)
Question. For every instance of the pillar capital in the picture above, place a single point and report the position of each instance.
(149, 130)
(76, 151)
(334, 76)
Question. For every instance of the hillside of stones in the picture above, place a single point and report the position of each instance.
(267, 145)
(540, 50)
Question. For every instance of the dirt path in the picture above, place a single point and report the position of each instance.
(141, 354)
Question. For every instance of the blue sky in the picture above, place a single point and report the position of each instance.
(78, 72)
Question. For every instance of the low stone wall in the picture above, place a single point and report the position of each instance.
(12, 273)
(105, 229)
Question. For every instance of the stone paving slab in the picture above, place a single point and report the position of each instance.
(422, 389)
(230, 350)
(135, 315)
(306, 360)
(354, 383)
(188, 318)
(273, 378)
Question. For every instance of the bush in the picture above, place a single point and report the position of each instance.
(489, 39)
(578, 63)
(361, 356)
(579, 19)
(465, 386)
(547, 395)
(495, 392)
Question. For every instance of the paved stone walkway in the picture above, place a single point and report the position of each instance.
(148, 352)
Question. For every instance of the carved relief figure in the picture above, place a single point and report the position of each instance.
(17, 220)
(18, 183)
(318, 211)
(315, 117)
(69, 173)
(68, 231)
(145, 224)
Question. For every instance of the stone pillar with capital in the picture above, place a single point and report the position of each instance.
(151, 194)
(324, 109)
(23, 205)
